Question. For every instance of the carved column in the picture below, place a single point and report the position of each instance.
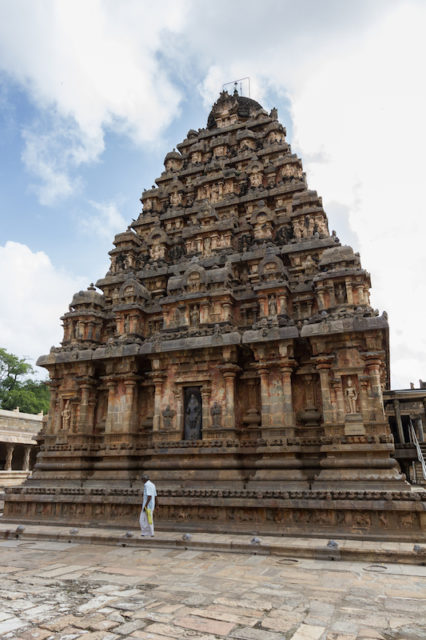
(205, 397)
(288, 412)
(373, 363)
(320, 297)
(323, 366)
(85, 386)
(130, 416)
(331, 296)
(397, 410)
(419, 429)
(340, 402)
(282, 303)
(349, 292)
(9, 455)
(111, 409)
(263, 306)
(26, 461)
(179, 409)
(54, 412)
(264, 396)
(158, 379)
(229, 417)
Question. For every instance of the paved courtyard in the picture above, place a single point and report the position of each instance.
(61, 591)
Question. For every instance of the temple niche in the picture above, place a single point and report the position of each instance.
(231, 352)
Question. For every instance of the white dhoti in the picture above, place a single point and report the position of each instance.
(146, 528)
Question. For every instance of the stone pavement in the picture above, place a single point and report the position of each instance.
(59, 590)
(300, 547)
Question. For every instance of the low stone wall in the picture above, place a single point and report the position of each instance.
(355, 514)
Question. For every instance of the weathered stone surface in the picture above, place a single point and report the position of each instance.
(231, 352)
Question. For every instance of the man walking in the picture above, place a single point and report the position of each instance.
(146, 519)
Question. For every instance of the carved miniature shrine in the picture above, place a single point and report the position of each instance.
(231, 353)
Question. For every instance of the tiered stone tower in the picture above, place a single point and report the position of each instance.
(233, 354)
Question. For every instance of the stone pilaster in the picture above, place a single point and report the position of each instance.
(265, 409)
(419, 429)
(158, 379)
(26, 460)
(323, 366)
(287, 398)
(229, 373)
(9, 457)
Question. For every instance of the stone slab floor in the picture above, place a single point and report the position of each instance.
(60, 591)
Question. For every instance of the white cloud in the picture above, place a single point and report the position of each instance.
(90, 66)
(34, 296)
(106, 222)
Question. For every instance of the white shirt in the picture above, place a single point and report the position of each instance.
(149, 490)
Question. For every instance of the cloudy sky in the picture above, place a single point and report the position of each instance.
(93, 93)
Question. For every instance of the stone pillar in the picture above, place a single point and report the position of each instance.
(288, 412)
(264, 397)
(419, 429)
(52, 418)
(129, 418)
(331, 296)
(158, 379)
(340, 402)
(398, 421)
(205, 398)
(373, 368)
(84, 407)
(363, 396)
(9, 456)
(360, 289)
(26, 462)
(320, 297)
(229, 417)
(227, 311)
(204, 312)
(323, 366)
(111, 409)
(282, 303)
(263, 306)
(178, 393)
(349, 292)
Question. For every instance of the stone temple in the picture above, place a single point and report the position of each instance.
(232, 353)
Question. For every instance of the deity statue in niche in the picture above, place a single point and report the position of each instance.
(263, 227)
(126, 324)
(195, 316)
(351, 396)
(194, 282)
(168, 415)
(220, 151)
(272, 306)
(298, 228)
(196, 157)
(175, 198)
(157, 251)
(66, 416)
(216, 192)
(147, 204)
(216, 414)
(178, 317)
(256, 179)
(207, 245)
(340, 293)
(193, 413)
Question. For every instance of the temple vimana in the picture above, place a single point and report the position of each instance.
(231, 352)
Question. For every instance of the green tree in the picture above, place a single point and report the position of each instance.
(18, 389)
